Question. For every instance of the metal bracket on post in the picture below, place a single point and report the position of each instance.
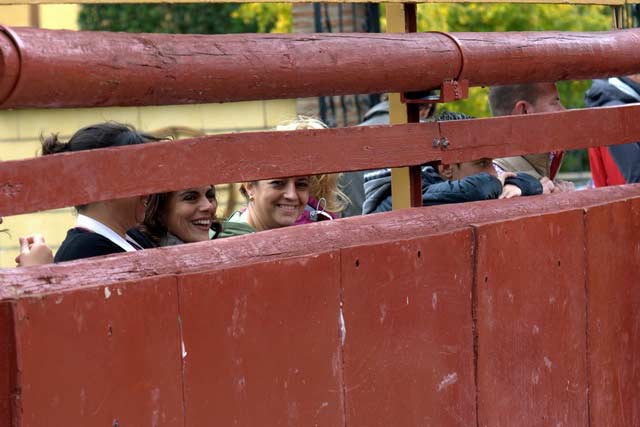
(450, 90)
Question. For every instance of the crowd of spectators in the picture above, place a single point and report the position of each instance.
(189, 215)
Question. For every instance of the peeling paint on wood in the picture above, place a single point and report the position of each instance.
(98, 69)
(134, 170)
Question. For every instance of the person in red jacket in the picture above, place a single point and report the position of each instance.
(617, 164)
(604, 170)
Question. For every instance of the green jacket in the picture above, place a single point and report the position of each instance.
(235, 226)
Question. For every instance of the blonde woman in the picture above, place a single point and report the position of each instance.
(280, 202)
(326, 199)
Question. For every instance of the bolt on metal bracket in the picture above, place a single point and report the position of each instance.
(442, 143)
(450, 90)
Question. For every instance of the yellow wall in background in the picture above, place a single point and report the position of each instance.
(20, 130)
(59, 16)
(18, 15)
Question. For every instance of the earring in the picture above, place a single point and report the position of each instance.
(251, 198)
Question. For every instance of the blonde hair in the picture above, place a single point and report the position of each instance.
(324, 186)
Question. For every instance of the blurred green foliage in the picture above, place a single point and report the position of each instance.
(220, 18)
(518, 17)
(514, 17)
(190, 18)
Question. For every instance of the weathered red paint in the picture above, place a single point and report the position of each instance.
(545, 56)
(531, 321)
(7, 365)
(151, 168)
(262, 344)
(292, 241)
(613, 262)
(9, 67)
(408, 353)
(73, 69)
(109, 355)
(145, 349)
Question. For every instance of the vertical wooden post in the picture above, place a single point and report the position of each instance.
(406, 183)
(34, 15)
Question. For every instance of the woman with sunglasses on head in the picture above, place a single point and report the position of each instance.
(101, 226)
(177, 217)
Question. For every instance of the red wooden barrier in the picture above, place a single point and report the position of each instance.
(531, 307)
(44, 68)
(262, 344)
(151, 168)
(613, 263)
(210, 333)
(408, 353)
(112, 352)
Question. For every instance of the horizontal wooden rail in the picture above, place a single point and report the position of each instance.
(46, 68)
(290, 242)
(75, 178)
(603, 2)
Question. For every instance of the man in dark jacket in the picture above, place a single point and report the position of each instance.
(352, 183)
(470, 181)
(617, 91)
(437, 191)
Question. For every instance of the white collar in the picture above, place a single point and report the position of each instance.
(244, 216)
(101, 229)
(623, 87)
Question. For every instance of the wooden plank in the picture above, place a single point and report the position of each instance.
(8, 373)
(262, 344)
(408, 352)
(109, 356)
(151, 168)
(531, 321)
(613, 262)
(124, 69)
(291, 241)
(605, 2)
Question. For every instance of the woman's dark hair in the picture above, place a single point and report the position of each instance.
(155, 218)
(102, 135)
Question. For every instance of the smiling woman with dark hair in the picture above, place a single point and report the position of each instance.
(173, 218)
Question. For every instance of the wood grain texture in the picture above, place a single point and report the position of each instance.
(408, 353)
(613, 261)
(262, 344)
(9, 403)
(531, 317)
(291, 242)
(107, 356)
(112, 173)
(60, 68)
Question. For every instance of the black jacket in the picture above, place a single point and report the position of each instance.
(81, 243)
(437, 191)
(604, 93)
